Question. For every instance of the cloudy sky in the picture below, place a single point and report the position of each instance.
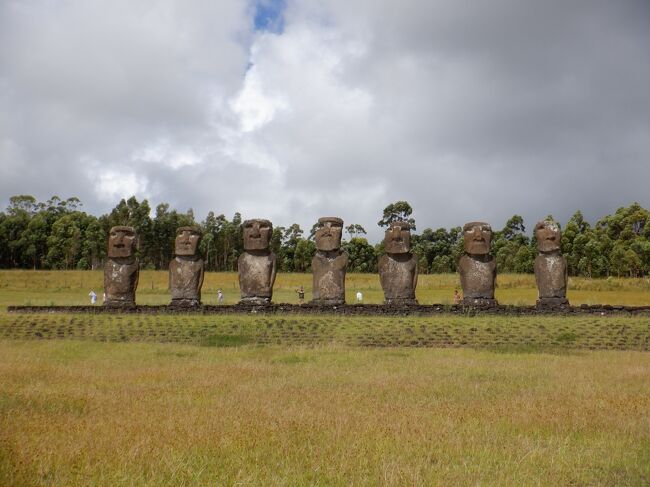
(291, 110)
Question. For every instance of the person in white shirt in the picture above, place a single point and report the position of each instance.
(93, 297)
(359, 297)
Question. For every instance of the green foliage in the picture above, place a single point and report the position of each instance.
(361, 254)
(440, 249)
(398, 211)
(305, 250)
(56, 234)
(355, 230)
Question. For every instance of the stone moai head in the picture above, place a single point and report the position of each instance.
(328, 233)
(121, 242)
(397, 239)
(548, 236)
(257, 234)
(187, 241)
(477, 238)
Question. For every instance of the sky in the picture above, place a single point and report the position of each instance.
(295, 109)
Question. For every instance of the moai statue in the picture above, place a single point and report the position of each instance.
(478, 269)
(330, 263)
(257, 265)
(398, 268)
(551, 271)
(122, 268)
(186, 269)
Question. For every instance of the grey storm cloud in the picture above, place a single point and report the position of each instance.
(467, 110)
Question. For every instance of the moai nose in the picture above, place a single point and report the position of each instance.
(256, 229)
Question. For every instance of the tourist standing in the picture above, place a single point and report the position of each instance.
(301, 295)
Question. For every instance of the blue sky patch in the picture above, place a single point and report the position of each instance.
(269, 15)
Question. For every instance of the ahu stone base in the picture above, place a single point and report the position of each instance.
(401, 302)
(480, 302)
(551, 303)
(119, 304)
(255, 301)
(184, 303)
(328, 302)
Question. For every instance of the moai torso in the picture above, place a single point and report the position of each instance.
(330, 263)
(256, 275)
(398, 274)
(477, 277)
(257, 265)
(186, 279)
(186, 269)
(477, 268)
(551, 275)
(121, 281)
(551, 272)
(398, 268)
(121, 271)
(329, 270)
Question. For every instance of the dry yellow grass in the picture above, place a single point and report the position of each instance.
(75, 413)
(88, 413)
(19, 287)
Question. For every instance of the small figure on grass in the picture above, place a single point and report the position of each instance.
(220, 296)
(457, 297)
(93, 297)
(301, 295)
(359, 297)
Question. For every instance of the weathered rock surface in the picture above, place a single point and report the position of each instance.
(551, 271)
(186, 269)
(257, 270)
(329, 265)
(477, 268)
(329, 269)
(121, 271)
(398, 268)
(257, 266)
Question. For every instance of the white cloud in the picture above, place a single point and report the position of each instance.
(253, 106)
(529, 108)
(113, 184)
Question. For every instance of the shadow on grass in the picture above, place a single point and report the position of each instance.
(291, 359)
(224, 341)
(177, 354)
(531, 349)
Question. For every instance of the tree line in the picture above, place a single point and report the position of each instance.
(57, 234)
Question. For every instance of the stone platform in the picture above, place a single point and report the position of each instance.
(345, 309)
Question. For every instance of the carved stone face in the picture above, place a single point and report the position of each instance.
(328, 233)
(187, 241)
(397, 239)
(548, 236)
(257, 234)
(121, 242)
(477, 236)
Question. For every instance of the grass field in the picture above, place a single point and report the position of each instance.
(83, 413)
(72, 287)
(322, 400)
